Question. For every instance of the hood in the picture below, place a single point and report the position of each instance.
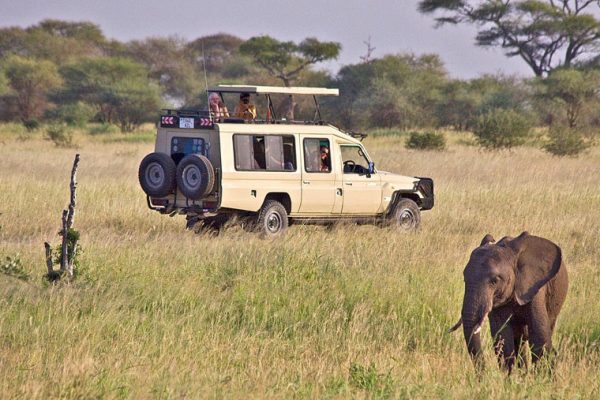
(398, 182)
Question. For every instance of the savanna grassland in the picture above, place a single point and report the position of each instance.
(349, 312)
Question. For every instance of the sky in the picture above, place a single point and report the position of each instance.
(393, 26)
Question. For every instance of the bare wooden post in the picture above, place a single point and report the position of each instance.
(67, 260)
(65, 242)
(49, 258)
(73, 187)
(72, 259)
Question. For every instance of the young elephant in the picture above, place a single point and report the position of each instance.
(521, 284)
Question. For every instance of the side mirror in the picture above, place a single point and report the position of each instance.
(371, 167)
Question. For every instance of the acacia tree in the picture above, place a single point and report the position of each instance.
(29, 81)
(546, 34)
(165, 60)
(570, 91)
(118, 88)
(286, 60)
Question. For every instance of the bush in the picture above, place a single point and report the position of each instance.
(103, 128)
(60, 135)
(563, 141)
(73, 114)
(426, 141)
(370, 380)
(12, 266)
(501, 128)
(31, 125)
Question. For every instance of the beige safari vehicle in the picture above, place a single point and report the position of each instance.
(270, 172)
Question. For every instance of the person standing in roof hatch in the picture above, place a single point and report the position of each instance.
(245, 109)
(216, 106)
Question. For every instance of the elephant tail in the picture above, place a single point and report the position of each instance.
(455, 326)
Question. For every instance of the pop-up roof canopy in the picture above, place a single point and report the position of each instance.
(311, 91)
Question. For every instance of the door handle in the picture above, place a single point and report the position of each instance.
(349, 183)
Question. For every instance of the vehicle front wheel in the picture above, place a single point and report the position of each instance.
(406, 215)
(272, 219)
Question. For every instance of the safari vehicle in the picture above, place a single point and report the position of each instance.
(270, 172)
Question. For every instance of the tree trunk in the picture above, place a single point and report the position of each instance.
(289, 108)
(290, 104)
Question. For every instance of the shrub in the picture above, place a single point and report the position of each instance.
(12, 266)
(564, 141)
(426, 141)
(31, 124)
(103, 129)
(73, 114)
(501, 128)
(60, 135)
(370, 380)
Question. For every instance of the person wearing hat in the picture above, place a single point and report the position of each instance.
(245, 109)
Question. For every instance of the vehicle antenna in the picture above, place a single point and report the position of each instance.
(206, 83)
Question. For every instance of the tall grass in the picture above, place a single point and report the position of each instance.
(353, 311)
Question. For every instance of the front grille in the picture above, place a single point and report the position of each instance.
(425, 186)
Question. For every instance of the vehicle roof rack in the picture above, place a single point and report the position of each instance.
(185, 113)
(311, 91)
(358, 135)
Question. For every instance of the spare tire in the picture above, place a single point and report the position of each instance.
(195, 176)
(157, 174)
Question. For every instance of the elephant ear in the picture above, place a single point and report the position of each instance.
(487, 239)
(538, 261)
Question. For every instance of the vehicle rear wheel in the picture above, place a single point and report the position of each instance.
(195, 176)
(272, 219)
(157, 174)
(406, 215)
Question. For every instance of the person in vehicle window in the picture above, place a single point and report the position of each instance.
(245, 109)
(324, 159)
(216, 106)
(288, 156)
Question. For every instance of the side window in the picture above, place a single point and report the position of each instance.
(317, 155)
(264, 153)
(354, 160)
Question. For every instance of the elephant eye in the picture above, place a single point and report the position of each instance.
(494, 280)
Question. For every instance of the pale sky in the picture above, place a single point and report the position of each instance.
(394, 26)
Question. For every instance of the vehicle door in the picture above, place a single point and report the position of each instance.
(318, 178)
(361, 189)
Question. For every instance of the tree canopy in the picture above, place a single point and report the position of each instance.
(286, 60)
(118, 88)
(546, 34)
(29, 82)
(69, 72)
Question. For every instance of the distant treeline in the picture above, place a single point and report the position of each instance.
(70, 72)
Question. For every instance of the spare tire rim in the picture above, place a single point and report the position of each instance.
(155, 175)
(192, 177)
(406, 218)
(274, 222)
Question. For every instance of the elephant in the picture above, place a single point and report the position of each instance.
(520, 284)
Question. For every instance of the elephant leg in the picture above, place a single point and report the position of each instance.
(539, 330)
(504, 340)
(520, 337)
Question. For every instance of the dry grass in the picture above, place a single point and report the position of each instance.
(350, 312)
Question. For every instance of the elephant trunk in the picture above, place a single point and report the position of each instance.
(473, 315)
